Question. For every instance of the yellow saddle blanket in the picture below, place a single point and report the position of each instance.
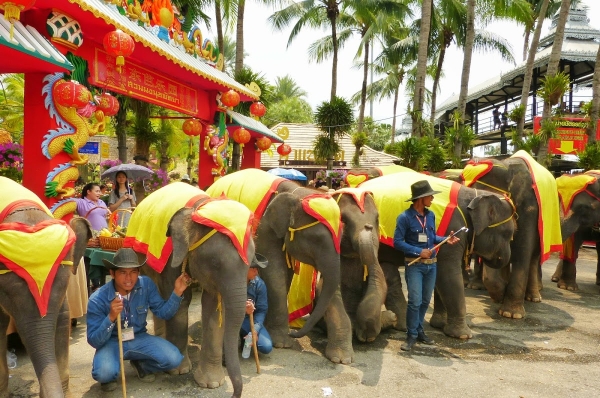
(147, 230)
(230, 218)
(391, 193)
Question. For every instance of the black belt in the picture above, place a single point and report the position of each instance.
(422, 260)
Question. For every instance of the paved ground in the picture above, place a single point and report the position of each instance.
(554, 351)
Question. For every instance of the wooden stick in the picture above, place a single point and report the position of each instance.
(441, 243)
(123, 385)
(254, 342)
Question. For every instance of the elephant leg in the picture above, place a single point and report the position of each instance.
(439, 318)
(395, 300)
(533, 283)
(388, 319)
(4, 320)
(61, 341)
(513, 304)
(495, 281)
(452, 292)
(210, 370)
(476, 275)
(568, 276)
(339, 332)
(176, 332)
(558, 272)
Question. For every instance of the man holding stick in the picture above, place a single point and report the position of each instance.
(134, 294)
(257, 306)
(415, 236)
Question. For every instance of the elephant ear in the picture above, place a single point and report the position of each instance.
(179, 230)
(484, 211)
(83, 232)
(280, 213)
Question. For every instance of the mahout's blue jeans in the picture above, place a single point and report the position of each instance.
(154, 354)
(420, 281)
(264, 343)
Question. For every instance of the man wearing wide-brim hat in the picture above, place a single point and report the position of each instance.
(130, 295)
(415, 236)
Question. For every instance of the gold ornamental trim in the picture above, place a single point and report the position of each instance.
(171, 57)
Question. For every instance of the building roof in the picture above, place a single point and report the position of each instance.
(146, 38)
(28, 42)
(579, 48)
(301, 138)
(253, 125)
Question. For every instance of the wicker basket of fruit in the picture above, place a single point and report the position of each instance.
(111, 240)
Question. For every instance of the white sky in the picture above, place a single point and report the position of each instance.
(268, 53)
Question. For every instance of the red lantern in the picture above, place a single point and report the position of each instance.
(12, 10)
(71, 94)
(258, 109)
(230, 98)
(192, 127)
(241, 136)
(108, 104)
(119, 44)
(263, 143)
(284, 149)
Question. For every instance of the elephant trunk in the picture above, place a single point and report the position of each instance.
(39, 340)
(234, 306)
(569, 225)
(329, 266)
(368, 313)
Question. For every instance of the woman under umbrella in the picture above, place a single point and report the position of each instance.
(122, 197)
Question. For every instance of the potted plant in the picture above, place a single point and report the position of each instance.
(554, 87)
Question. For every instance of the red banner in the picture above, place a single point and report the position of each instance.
(571, 135)
(142, 83)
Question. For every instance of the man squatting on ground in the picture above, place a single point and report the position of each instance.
(257, 304)
(148, 354)
(415, 236)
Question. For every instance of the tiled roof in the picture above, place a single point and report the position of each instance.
(253, 125)
(301, 138)
(111, 15)
(28, 40)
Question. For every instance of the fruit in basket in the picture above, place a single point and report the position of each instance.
(105, 232)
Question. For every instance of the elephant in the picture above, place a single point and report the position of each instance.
(513, 177)
(363, 293)
(215, 252)
(42, 320)
(489, 218)
(355, 177)
(288, 221)
(581, 208)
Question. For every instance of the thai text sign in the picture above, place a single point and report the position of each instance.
(142, 83)
(90, 148)
(571, 136)
(307, 154)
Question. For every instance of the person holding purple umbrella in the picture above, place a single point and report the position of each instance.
(122, 197)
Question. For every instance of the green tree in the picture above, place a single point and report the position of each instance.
(421, 71)
(543, 8)
(12, 104)
(288, 110)
(377, 134)
(334, 119)
(286, 87)
(314, 14)
(595, 105)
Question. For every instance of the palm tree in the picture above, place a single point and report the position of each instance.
(552, 70)
(417, 111)
(334, 119)
(543, 11)
(551, 8)
(286, 87)
(12, 103)
(314, 14)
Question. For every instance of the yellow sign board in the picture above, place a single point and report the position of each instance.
(104, 150)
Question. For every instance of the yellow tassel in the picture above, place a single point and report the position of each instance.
(120, 63)
(12, 13)
(219, 308)
(365, 272)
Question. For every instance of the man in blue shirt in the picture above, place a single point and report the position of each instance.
(148, 354)
(415, 236)
(257, 304)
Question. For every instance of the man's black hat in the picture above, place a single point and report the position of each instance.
(421, 189)
(124, 258)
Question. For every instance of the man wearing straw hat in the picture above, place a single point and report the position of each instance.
(130, 296)
(415, 236)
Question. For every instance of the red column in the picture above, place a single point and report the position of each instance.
(251, 157)
(37, 124)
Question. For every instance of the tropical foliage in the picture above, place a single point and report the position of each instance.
(11, 161)
(334, 119)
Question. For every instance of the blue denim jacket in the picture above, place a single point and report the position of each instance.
(257, 291)
(143, 296)
(408, 228)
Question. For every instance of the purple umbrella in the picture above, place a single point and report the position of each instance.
(132, 170)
